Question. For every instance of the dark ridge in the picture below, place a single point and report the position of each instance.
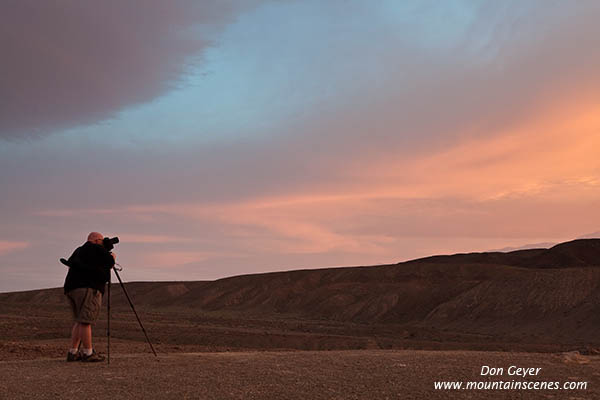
(519, 258)
(576, 253)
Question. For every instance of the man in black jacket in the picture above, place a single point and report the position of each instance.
(89, 270)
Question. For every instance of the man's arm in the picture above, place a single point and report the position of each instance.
(91, 261)
(75, 260)
(110, 258)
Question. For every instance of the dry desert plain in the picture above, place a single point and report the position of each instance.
(352, 374)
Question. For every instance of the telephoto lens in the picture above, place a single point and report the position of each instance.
(109, 243)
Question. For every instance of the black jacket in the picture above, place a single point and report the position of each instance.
(89, 267)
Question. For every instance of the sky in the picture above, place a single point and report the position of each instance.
(222, 137)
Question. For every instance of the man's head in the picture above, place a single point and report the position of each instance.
(95, 238)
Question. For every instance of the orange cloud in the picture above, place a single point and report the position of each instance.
(554, 150)
(537, 181)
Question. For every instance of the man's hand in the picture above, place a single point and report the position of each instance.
(114, 256)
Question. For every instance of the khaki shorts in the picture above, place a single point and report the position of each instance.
(85, 303)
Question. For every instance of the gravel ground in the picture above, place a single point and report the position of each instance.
(361, 374)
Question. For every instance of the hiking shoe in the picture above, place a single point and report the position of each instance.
(73, 357)
(94, 357)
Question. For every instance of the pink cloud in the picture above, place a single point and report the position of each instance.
(9, 247)
(151, 239)
(169, 259)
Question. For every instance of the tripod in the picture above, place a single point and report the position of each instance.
(114, 268)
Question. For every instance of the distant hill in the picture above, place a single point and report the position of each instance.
(593, 235)
(544, 245)
(576, 253)
(551, 292)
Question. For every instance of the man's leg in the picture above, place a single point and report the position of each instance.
(88, 353)
(89, 314)
(85, 332)
(75, 336)
(73, 354)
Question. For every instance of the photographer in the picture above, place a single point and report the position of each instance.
(89, 270)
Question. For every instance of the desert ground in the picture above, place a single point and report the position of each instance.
(217, 355)
(355, 374)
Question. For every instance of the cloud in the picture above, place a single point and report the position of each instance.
(594, 235)
(543, 153)
(387, 87)
(71, 63)
(9, 246)
(169, 259)
(73, 212)
(504, 185)
(370, 92)
(151, 239)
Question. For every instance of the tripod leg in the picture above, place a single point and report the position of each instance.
(108, 322)
(136, 314)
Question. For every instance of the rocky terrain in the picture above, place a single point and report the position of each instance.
(534, 300)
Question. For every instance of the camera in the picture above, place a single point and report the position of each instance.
(109, 243)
